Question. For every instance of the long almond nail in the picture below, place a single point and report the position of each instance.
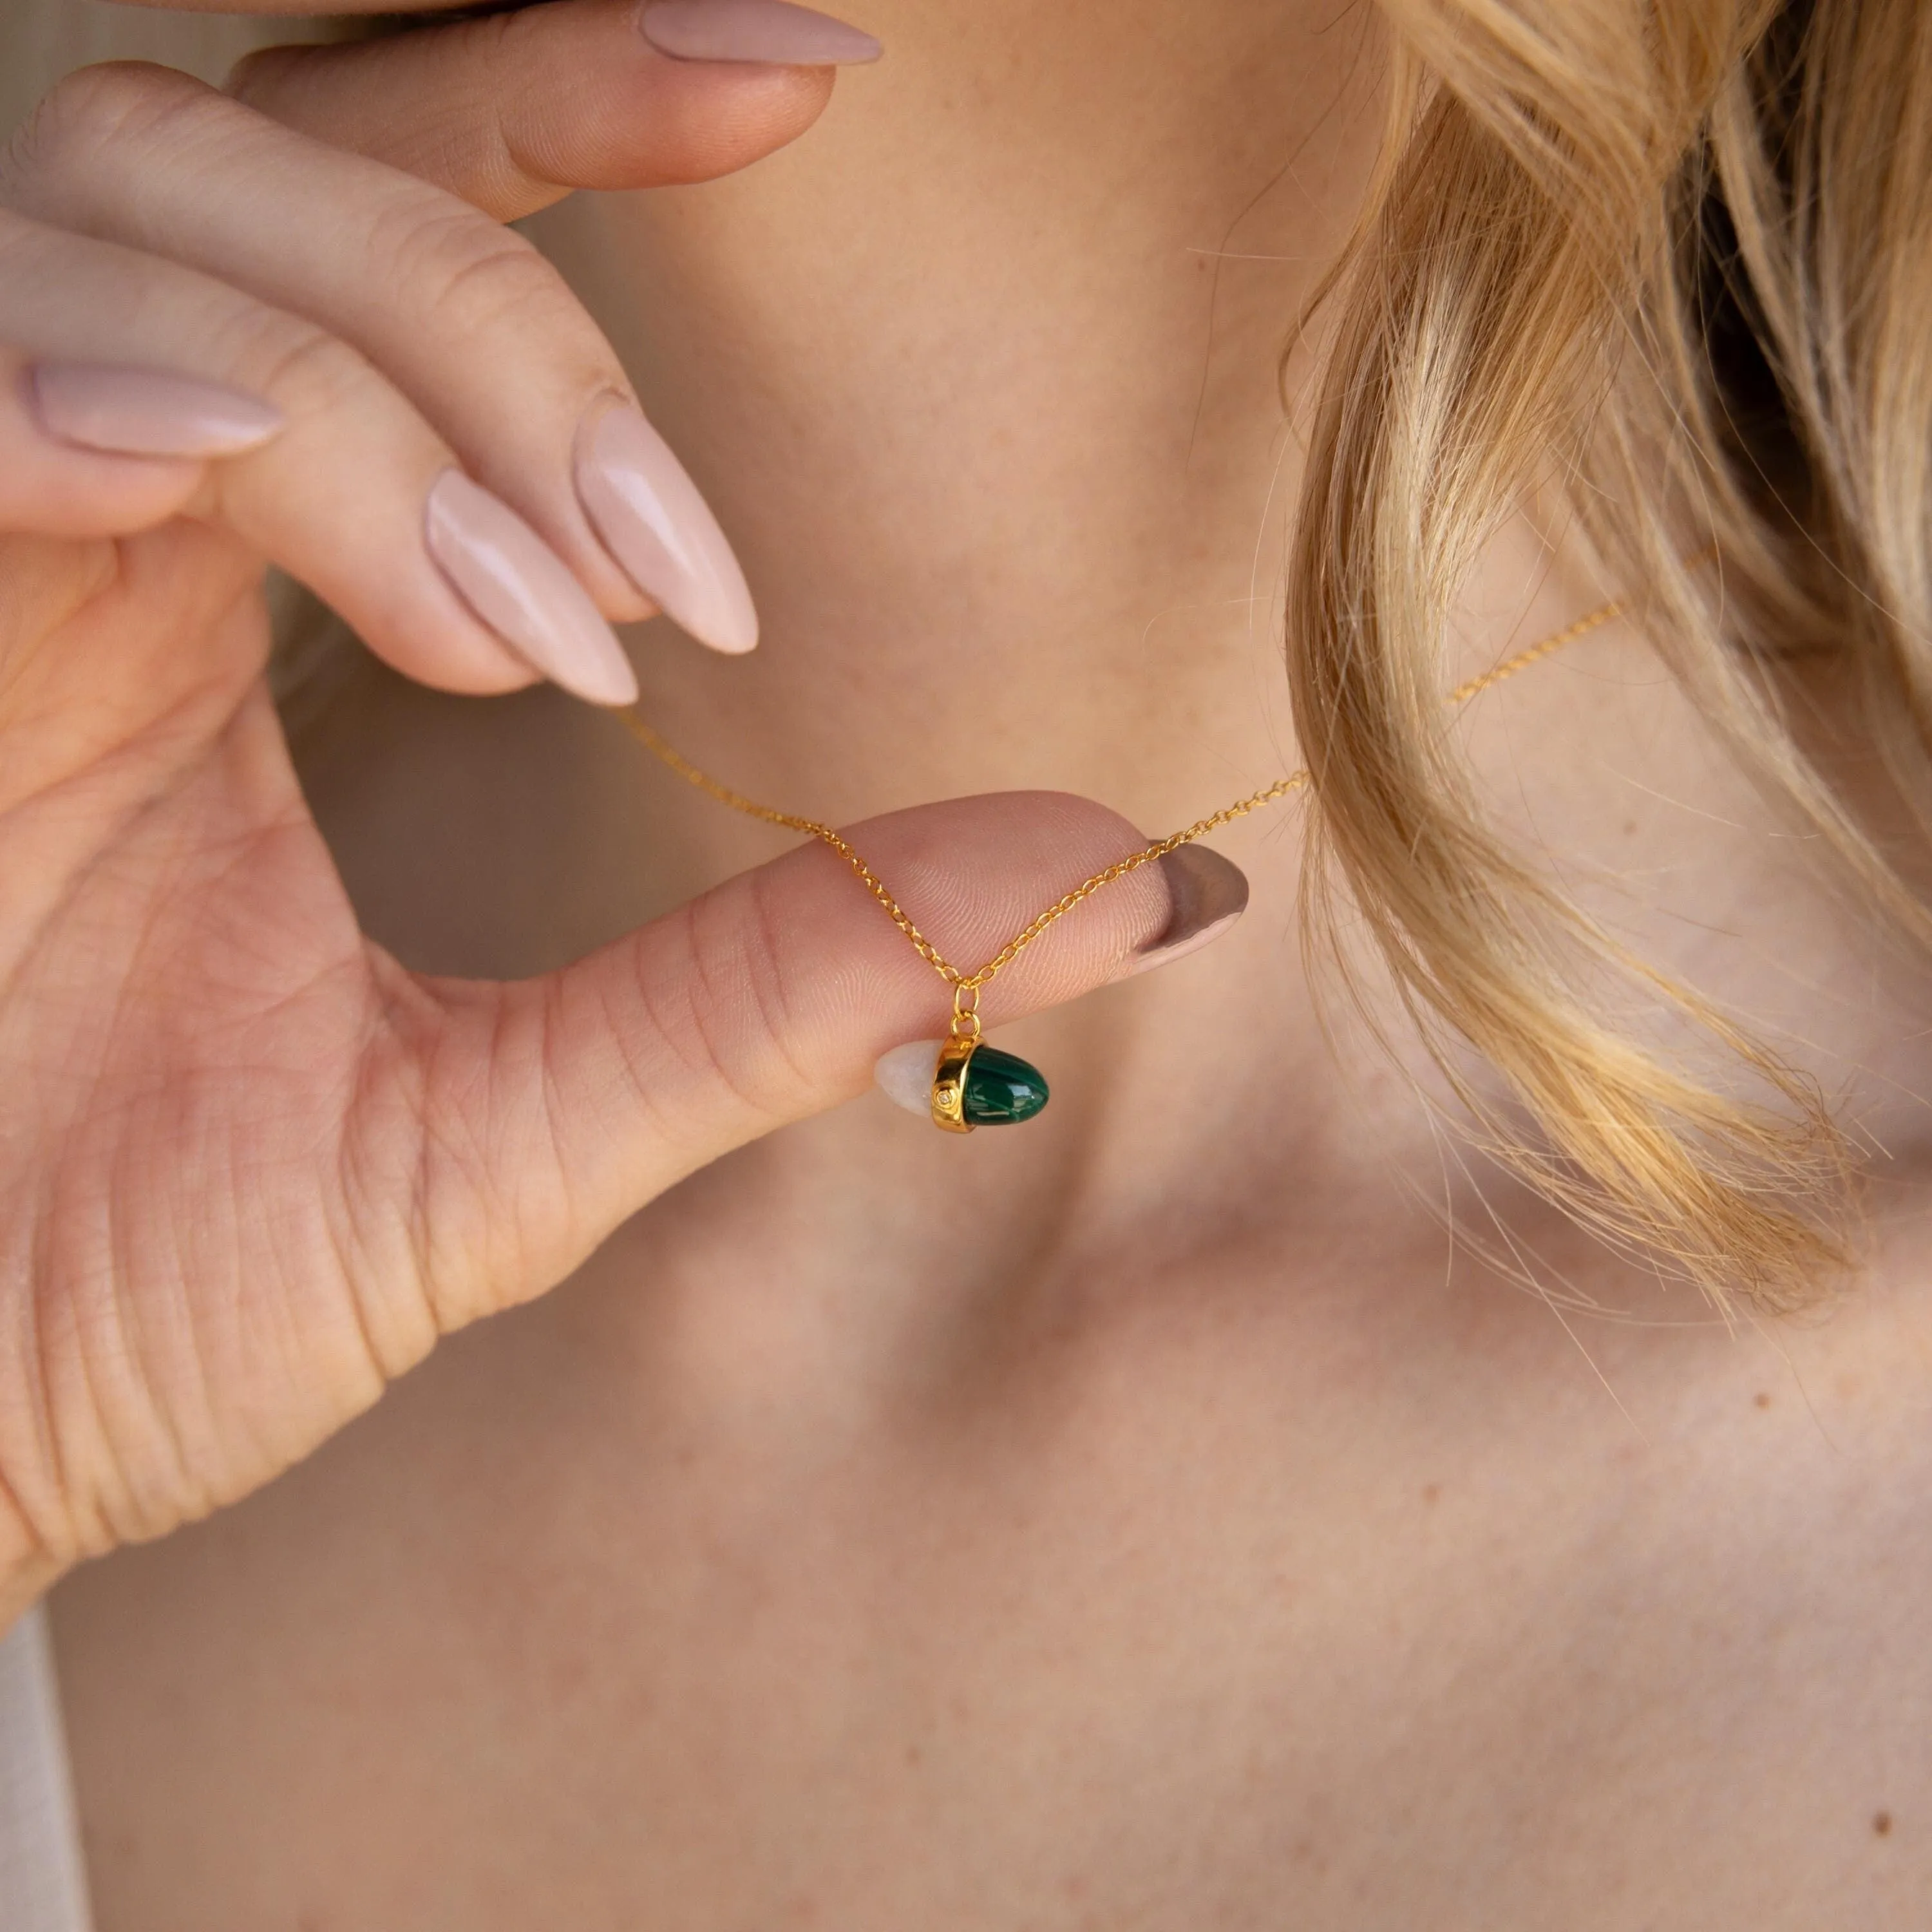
(1206, 894)
(517, 585)
(768, 31)
(656, 525)
(126, 411)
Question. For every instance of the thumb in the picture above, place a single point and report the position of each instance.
(556, 1108)
(514, 111)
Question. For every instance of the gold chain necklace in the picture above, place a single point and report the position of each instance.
(974, 1084)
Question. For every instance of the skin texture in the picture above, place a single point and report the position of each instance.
(1152, 1519)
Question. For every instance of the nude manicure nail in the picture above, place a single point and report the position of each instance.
(1206, 894)
(125, 412)
(769, 30)
(655, 524)
(519, 586)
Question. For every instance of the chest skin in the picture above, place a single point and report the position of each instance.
(1208, 1600)
(853, 1545)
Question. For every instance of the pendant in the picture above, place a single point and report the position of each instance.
(975, 1085)
(960, 1082)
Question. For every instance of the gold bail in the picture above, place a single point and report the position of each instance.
(965, 1011)
(956, 1056)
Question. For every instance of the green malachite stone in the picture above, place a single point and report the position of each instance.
(1001, 1088)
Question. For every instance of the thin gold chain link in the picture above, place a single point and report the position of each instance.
(969, 984)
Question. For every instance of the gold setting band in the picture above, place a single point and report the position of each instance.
(956, 1056)
(949, 1083)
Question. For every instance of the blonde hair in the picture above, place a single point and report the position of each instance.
(1682, 254)
(1680, 251)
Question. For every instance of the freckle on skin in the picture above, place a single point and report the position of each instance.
(1762, 1400)
(1881, 1822)
(1432, 1492)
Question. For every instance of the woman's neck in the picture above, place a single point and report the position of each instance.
(981, 377)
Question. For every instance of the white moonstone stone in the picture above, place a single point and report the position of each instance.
(905, 1075)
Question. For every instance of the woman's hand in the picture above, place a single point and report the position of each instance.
(253, 1169)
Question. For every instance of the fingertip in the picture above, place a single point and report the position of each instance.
(514, 111)
(655, 524)
(128, 411)
(672, 124)
(61, 473)
(1207, 891)
(514, 582)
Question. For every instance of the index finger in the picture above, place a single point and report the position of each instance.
(515, 110)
